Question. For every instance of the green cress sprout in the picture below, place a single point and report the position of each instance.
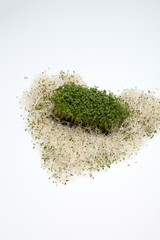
(79, 104)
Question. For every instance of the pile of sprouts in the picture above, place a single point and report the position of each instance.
(73, 143)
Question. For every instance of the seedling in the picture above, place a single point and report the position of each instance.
(90, 107)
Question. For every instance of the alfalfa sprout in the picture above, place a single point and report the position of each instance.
(72, 150)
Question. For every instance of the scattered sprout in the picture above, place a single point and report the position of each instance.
(68, 151)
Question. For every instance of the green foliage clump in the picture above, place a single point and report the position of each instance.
(79, 104)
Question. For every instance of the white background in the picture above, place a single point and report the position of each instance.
(114, 45)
